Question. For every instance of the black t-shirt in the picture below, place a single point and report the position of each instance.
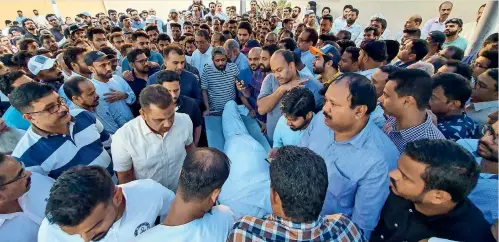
(188, 106)
(32, 36)
(400, 221)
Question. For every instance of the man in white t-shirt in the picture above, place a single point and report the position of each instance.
(22, 200)
(85, 205)
(193, 215)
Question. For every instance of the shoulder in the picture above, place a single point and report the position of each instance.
(222, 212)
(343, 222)
(182, 117)
(82, 114)
(127, 128)
(189, 75)
(143, 187)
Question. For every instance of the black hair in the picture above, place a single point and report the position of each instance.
(299, 177)
(203, 33)
(362, 92)
(23, 45)
(187, 23)
(6, 59)
(220, 36)
(108, 51)
(23, 96)
(455, 86)
(287, 20)
(327, 37)
(346, 34)
(26, 20)
(42, 52)
(8, 22)
(155, 95)
(132, 56)
(116, 29)
(461, 68)
(3, 158)
(312, 35)
(354, 52)
(164, 37)
(493, 73)
(450, 167)
(21, 58)
(168, 76)
(7, 80)
(175, 25)
(344, 44)
(415, 83)
(438, 62)
(492, 38)
(414, 32)
(152, 28)
(172, 47)
(204, 170)
(138, 34)
(270, 48)
(375, 49)
(392, 49)
(419, 48)
(372, 28)
(298, 8)
(46, 36)
(356, 11)
(457, 53)
(93, 31)
(289, 43)
(70, 55)
(389, 69)
(285, 31)
(71, 86)
(50, 15)
(328, 17)
(382, 21)
(457, 21)
(347, 6)
(492, 56)
(324, 8)
(245, 25)
(298, 102)
(110, 11)
(123, 17)
(76, 193)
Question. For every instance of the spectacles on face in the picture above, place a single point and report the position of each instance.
(21, 175)
(142, 62)
(53, 109)
(487, 129)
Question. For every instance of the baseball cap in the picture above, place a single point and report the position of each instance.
(437, 36)
(39, 63)
(218, 50)
(327, 50)
(173, 10)
(309, 12)
(73, 28)
(94, 56)
(85, 14)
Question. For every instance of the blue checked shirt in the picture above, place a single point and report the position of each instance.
(484, 196)
(458, 127)
(335, 227)
(426, 130)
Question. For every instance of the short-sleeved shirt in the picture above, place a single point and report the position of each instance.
(270, 85)
(221, 85)
(145, 201)
(213, 226)
(119, 84)
(33, 204)
(284, 135)
(51, 154)
(485, 196)
(460, 43)
(150, 155)
(458, 127)
(188, 106)
(200, 60)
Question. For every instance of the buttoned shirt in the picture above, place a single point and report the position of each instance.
(378, 116)
(336, 227)
(426, 130)
(480, 111)
(338, 24)
(432, 25)
(307, 59)
(400, 221)
(199, 60)
(458, 127)
(354, 30)
(357, 170)
(151, 155)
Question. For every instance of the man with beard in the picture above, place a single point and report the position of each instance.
(428, 196)
(453, 27)
(23, 197)
(307, 39)
(326, 63)
(484, 97)
(297, 109)
(326, 24)
(82, 94)
(218, 82)
(86, 205)
(105, 23)
(140, 40)
(114, 61)
(450, 94)
(354, 28)
(183, 104)
(46, 147)
(31, 30)
(49, 43)
(344, 132)
(251, 89)
(8, 82)
(46, 71)
(491, 43)
(112, 90)
(141, 70)
(152, 32)
(341, 21)
(29, 45)
(190, 47)
(284, 77)
(97, 38)
(295, 14)
(56, 29)
(350, 60)
(244, 33)
(176, 31)
(437, 23)
(136, 22)
(117, 40)
(163, 41)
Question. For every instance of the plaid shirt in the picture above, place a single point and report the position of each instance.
(336, 227)
(426, 130)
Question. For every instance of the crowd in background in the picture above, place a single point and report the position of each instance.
(108, 133)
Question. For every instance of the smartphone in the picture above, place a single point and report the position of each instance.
(238, 81)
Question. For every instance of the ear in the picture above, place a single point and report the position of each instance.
(292, 66)
(28, 117)
(142, 113)
(309, 115)
(456, 104)
(118, 195)
(412, 56)
(439, 197)
(214, 195)
(409, 100)
(274, 197)
(329, 63)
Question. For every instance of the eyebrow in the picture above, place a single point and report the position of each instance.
(404, 173)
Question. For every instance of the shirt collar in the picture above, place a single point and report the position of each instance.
(46, 134)
(409, 132)
(293, 225)
(484, 105)
(146, 130)
(369, 71)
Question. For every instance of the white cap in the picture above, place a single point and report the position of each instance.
(309, 12)
(150, 20)
(39, 63)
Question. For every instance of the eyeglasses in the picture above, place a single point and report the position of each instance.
(142, 62)
(19, 176)
(53, 109)
(488, 129)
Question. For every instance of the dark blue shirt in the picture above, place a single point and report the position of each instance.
(405, 65)
(458, 127)
(189, 85)
(137, 85)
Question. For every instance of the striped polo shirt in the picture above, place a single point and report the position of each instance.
(220, 85)
(51, 155)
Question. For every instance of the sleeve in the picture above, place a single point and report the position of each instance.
(204, 79)
(159, 59)
(196, 116)
(105, 137)
(278, 134)
(266, 88)
(128, 90)
(122, 160)
(426, 29)
(166, 198)
(370, 197)
(196, 89)
(190, 130)
(305, 138)
(117, 117)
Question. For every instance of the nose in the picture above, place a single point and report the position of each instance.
(380, 99)
(167, 124)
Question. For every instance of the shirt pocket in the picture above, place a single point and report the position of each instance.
(341, 187)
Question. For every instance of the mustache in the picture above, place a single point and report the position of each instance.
(394, 184)
(28, 182)
(63, 114)
(327, 116)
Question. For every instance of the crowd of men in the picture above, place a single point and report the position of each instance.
(374, 136)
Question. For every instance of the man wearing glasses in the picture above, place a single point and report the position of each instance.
(201, 56)
(23, 197)
(483, 97)
(57, 139)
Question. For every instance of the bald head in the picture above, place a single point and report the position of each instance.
(254, 58)
(271, 38)
(232, 48)
(414, 22)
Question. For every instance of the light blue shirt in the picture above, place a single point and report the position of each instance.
(355, 30)
(307, 59)
(338, 24)
(14, 119)
(432, 25)
(247, 189)
(199, 60)
(119, 84)
(460, 43)
(110, 119)
(357, 170)
(245, 73)
(284, 135)
(484, 196)
(378, 117)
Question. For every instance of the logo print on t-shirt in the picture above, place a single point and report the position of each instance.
(143, 227)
